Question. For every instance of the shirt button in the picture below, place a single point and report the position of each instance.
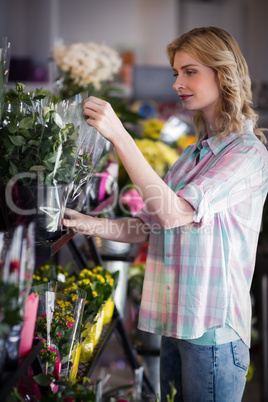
(168, 255)
(168, 287)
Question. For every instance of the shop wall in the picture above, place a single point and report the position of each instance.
(145, 26)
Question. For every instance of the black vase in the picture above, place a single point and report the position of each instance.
(43, 205)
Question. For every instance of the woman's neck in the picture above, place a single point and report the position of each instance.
(210, 128)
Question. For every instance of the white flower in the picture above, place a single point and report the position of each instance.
(88, 63)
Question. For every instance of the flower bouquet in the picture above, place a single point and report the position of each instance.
(99, 306)
(43, 146)
(59, 320)
(99, 286)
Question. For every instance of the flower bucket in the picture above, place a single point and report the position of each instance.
(108, 311)
(92, 335)
(59, 320)
(111, 247)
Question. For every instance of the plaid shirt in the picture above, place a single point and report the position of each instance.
(198, 276)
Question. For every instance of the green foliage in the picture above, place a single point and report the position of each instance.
(34, 139)
(78, 390)
(171, 397)
(10, 309)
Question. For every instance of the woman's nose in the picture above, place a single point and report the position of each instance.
(178, 84)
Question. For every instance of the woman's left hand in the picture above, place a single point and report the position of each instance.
(100, 114)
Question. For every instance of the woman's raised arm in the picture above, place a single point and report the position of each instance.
(168, 209)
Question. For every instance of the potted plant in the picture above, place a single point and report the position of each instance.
(38, 149)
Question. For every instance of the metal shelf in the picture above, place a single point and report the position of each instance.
(116, 327)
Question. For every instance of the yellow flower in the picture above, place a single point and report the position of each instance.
(100, 278)
(110, 280)
(186, 140)
(152, 128)
(159, 155)
(97, 270)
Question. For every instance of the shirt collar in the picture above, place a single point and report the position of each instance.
(216, 145)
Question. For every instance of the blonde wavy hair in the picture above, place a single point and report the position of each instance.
(217, 49)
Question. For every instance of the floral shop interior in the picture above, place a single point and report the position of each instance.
(69, 302)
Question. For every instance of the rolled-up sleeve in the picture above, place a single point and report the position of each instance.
(144, 215)
(231, 180)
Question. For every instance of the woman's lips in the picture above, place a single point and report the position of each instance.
(184, 97)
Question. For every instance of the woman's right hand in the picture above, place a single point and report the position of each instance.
(100, 114)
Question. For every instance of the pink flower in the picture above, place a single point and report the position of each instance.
(133, 200)
(70, 324)
(27, 386)
(57, 369)
(14, 265)
(59, 335)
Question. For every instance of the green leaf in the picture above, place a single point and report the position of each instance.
(74, 136)
(25, 133)
(12, 169)
(34, 143)
(12, 127)
(27, 101)
(17, 140)
(38, 168)
(26, 123)
(52, 157)
(42, 379)
(65, 359)
(49, 165)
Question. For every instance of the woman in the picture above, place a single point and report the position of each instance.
(202, 221)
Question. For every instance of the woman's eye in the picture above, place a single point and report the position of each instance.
(190, 72)
(175, 75)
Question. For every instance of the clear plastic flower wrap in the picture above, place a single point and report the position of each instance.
(16, 270)
(92, 151)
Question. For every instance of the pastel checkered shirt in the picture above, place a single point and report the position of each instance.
(198, 276)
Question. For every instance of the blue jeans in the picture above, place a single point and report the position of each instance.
(203, 373)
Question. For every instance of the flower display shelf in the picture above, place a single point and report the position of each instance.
(116, 327)
(11, 377)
